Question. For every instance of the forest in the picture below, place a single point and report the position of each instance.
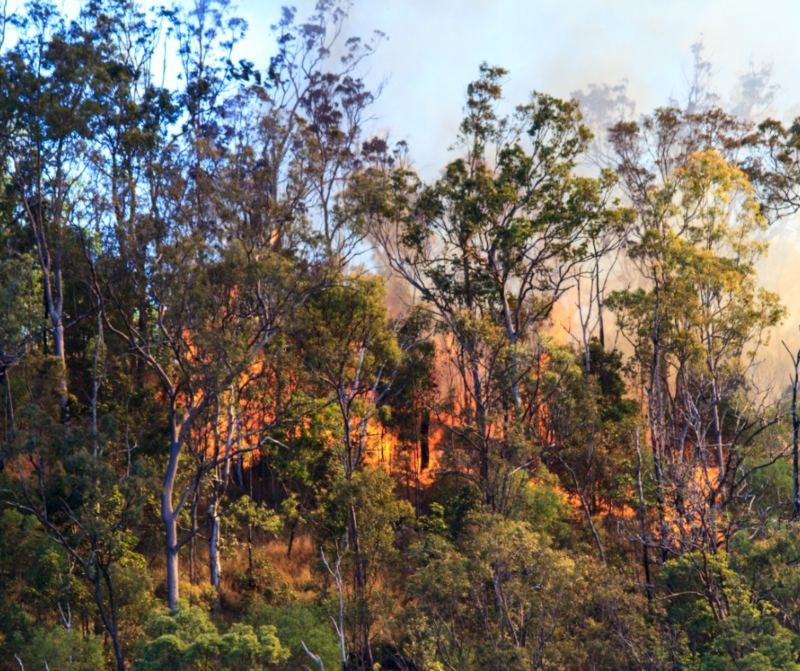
(274, 399)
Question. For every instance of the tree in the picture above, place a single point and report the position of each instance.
(501, 596)
(358, 523)
(230, 249)
(490, 248)
(187, 639)
(52, 83)
(699, 319)
(353, 353)
(725, 625)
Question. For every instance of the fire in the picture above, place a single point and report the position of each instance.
(562, 318)
(237, 424)
(414, 462)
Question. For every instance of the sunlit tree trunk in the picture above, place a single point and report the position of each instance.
(169, 516)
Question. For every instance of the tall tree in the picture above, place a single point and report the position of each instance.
(697, 322)
(490, 248)
(51, 103)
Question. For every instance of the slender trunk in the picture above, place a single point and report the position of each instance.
(658, 475)
(795, 456)
(480, 418)
(795, 438)
(512, 336)
(587, 511)
(54, 302)
(107, 616)
(193, 542)
(469, 346)
(360, 580)
(240, 470)
(648, 581)
(218, 490)
(587, 358)
(214, 565)
(655, 418)
(338, 624)
(601, 331)
(424, 441)
(595, 533)
(716, 430)
(118, 656)
(96, 382)
(169, 516)
(250, 563)
(715, 492)
(349, 466)
(60, 353)
(11, 428)
(290, 543)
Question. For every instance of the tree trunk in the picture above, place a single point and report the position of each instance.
(483, 438)
(512, 336)
(648, 581)
(601, 329)
(795, 456)
(290, 543)
(10, 423)
(214, 564)
(193, 541)
(54, 303)
(107, 616)
(169, 516)
(60, 353)
(360, 584)
(795, 438)
(655, 414)
(96, 383)
(171, 548)
(220, 485)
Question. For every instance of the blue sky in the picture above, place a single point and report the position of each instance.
(434, 48)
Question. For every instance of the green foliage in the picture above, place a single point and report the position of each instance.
(769, 566)
(245, 512)
(502, 597)
(298, 623)
(56, 648)
(379, 514)
(725, 624)
(20, 298)
(133, 594)
(192, 360)
(188, 639)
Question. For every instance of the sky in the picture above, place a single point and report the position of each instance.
(434, 48)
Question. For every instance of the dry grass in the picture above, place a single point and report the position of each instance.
(280, 573)
(274, 570)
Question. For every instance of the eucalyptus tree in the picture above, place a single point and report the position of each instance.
(773, 165)
(51, 81)
(353, 353)
(217, 222)
(489, 248)
(697, 317)
(60, 79)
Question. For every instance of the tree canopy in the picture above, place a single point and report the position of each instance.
(272, 399)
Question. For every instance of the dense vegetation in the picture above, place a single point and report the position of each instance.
(273, 401)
